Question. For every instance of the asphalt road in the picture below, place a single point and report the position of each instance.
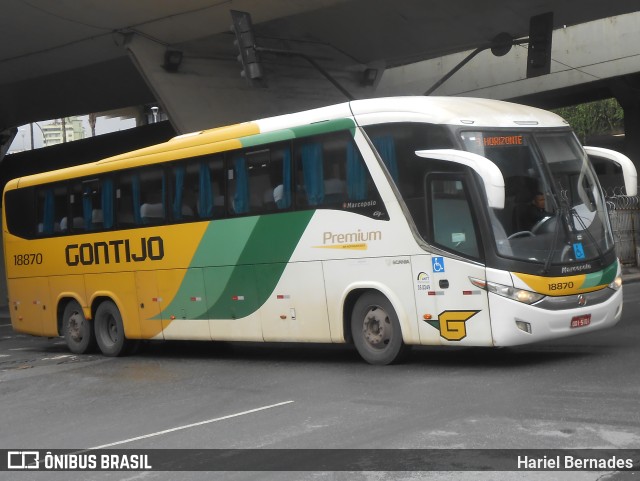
(581, 392)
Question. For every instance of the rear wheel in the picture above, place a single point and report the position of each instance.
(376, 330)
(110, 330)
(77, 330)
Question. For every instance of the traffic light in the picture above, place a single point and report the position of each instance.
(245, 42)
(539, 56)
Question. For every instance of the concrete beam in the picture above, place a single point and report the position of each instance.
(581, 54)
(209, 92)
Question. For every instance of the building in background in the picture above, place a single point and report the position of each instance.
(53, 132)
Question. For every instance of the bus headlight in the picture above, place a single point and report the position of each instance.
(520, 295)
(616, 284)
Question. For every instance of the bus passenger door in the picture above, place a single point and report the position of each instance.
(462, 308)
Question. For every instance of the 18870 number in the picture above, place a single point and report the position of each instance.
(27, 259)
(559, 286)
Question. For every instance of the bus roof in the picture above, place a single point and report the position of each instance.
(463, 111)
(459, 111)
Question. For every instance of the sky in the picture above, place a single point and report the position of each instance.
(104, 125)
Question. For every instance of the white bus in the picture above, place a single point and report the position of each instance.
(384, 223)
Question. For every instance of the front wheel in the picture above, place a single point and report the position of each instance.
(376, 330)
(110, 330)
(77, 330)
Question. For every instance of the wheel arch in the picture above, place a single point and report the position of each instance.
(355, 291)
(61, 304)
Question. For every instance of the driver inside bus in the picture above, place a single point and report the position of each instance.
(533, 212)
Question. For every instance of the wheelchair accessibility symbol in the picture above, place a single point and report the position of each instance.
(437, 263)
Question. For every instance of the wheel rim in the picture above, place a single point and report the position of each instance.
(112, 329)
(376, 328)
(75, 326)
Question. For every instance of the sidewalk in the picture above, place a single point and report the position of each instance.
(630, 274)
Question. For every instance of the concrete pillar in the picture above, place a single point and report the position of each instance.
(207, 91)
(627, 91)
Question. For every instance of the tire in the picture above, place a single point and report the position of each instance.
(77, 330)
(110, 330)
(376, 330)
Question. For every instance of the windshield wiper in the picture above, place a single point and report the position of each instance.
(576, 216)
(561, 218)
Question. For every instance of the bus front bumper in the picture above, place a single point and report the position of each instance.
(514, 323)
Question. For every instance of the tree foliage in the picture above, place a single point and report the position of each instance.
(594, 118)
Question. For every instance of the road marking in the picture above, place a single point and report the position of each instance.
(20, 349)
(5, 355)
(5, 325)
(187, 426)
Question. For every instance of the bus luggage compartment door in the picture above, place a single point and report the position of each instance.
(148, 305)
(30, 307)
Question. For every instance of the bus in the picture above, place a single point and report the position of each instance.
(383, 223)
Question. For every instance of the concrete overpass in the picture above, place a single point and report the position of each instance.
(61, 58)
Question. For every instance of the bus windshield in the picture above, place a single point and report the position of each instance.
(554, 211)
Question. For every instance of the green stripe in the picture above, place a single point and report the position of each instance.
(324, 127)
(601, 278)
(242, 258)
(267, 138)
(298, 132)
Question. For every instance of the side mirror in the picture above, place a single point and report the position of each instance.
(629, 172)
(487, 170)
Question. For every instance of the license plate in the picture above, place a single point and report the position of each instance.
(581, 321)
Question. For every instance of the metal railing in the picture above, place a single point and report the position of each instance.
(624, 212)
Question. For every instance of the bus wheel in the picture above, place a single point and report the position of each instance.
(376, 330)
(110, 330)
(77, 331)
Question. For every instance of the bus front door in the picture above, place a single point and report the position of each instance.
(458, 310)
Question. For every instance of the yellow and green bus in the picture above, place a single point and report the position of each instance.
(384, 223)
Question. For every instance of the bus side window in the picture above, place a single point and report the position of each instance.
(238, 180)
(21, 212)
(310, 173)
(46, 210)
(197, 189)
(152, 198)
(128, 200)
(211, 188)
(51, 208)
(331, 173)
(321, 168)
(183, 181)
(260, 180)
(75, 221)
(92, 206)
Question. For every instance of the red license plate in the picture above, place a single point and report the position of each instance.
(581, 321)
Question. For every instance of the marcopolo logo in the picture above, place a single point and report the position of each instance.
(115, 251)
